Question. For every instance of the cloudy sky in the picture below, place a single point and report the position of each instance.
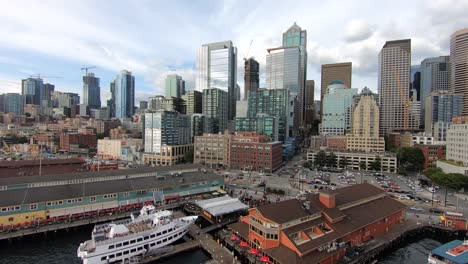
(155, 38)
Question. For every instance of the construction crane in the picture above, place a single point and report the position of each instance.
(248, 51)
(40, 76)
(404, 99)
(87, 68)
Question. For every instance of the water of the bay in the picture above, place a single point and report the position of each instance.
(413, 253)
(60, 248)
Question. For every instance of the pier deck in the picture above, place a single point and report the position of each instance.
(66, 225)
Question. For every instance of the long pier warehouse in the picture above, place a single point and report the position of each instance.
(35, 200)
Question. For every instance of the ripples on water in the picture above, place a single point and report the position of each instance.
(413, 253)
(60, 248)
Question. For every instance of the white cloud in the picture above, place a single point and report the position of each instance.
(153, 39)
(358, 30)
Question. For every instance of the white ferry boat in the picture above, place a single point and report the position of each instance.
(121, 241)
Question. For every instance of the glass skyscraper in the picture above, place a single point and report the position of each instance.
(124, 95)
(174, 86)
(31, 89)
(216, 67)
(91, 91)
(12, 103)
(274, 103)
(296, 37)
(441, 107)
(337, 103)
(283, 71)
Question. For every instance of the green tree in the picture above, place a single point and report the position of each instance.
(307, 165)
(344, 162)
(376, 164)
(410, 159)
(188, 157)
(331, 160)
(362, 165)
(320, 159)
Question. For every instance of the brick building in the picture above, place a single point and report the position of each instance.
(67, 141)
(432, 153)
(251, 151)
(212, 149)
(319, 228)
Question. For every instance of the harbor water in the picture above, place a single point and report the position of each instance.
(60, 247)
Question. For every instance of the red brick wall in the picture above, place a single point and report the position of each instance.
(432, 153)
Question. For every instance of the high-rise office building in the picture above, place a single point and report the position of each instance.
(273, 103)
(61, 99)
(46, 94)
(441, 107)
(393, 86)
(364, 134)
(263, 124)
(12, 103)
(216, 67)
(124, 95)
(165, 128)
(296, 37)
(200, 124)
(251, 76)
(238, 93)
(31, 89)
(143, 105)
(334, 71)
(91, 91)
(416, 80)
(283, 71)
(160, 102)
(111, 101)
(193, 101)
(337, 103)
(459, 65)
(309, 103)
(435, 76)
(215, 106)
(175, 86)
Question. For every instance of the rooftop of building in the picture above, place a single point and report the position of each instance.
(44, 162)
(355, 207)
(221, 205)
(87, 189)
(96, 174)
(455, 251)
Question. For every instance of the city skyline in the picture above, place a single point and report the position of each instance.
(49, 47)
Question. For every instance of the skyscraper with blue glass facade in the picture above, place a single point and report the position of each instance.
(124, 90)
(91, 91)
(337, 104)
(296, 37)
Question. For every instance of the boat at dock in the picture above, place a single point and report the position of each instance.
(121, 241)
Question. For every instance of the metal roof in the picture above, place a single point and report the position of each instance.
(70, 191)
(442, 252)
(221, 205)
(95, 174)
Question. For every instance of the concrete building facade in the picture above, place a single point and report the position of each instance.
(459, 65)
(393, 86)
(457, 140)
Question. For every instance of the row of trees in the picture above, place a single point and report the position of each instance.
(454, 181)
(330, 160)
